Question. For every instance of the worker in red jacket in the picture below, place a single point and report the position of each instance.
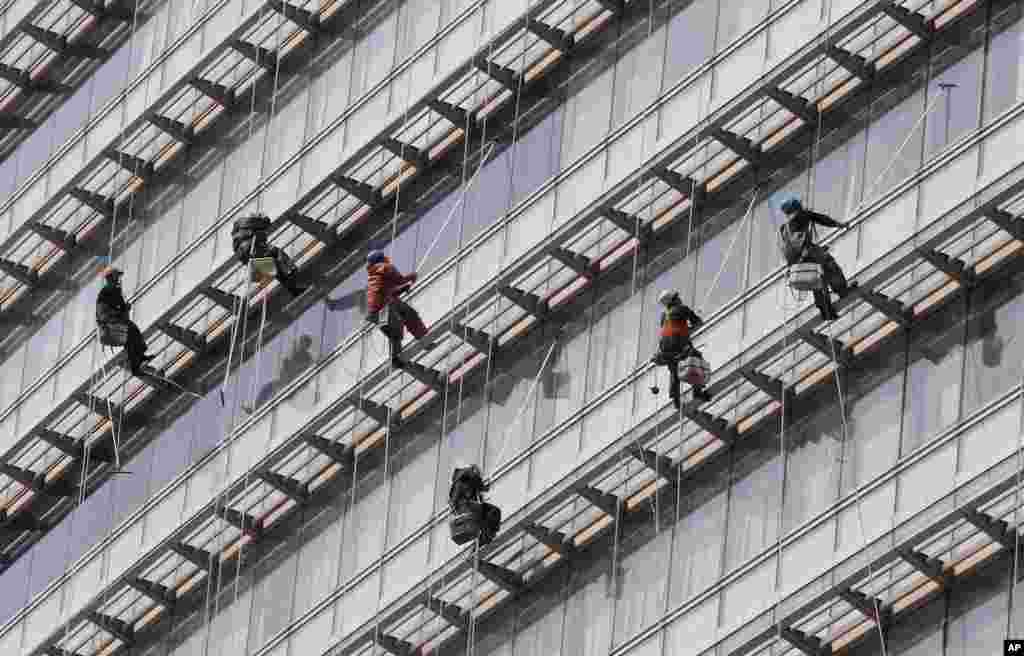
(384, 286)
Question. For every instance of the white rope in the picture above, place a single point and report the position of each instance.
(859, 495)
(1010, 629)
(783, 374)
(525, 404)
(728, 252)
(462, 197)
(896, 156)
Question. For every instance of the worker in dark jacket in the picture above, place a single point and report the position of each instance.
(114, 322)
(674, 344)
(249, 240)
(799, 246)
(384, 286)
(472, 517)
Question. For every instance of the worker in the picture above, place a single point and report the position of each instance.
(472, 517)
(799, 246)
(114, 324)
(674, 345)
(249, 239)
(384, 286)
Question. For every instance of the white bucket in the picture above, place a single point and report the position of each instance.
(805, 277)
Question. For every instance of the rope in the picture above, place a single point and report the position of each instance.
(455, 207)
(859, 495)
(471, 633)
(782, 479)
(728, 253)
(1016, 510)
(525, 403)
(896, 156)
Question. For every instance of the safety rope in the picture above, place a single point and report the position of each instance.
(239, 336)
(474, 577)
(525, 404)
(896, 156)
(458, 203)
(98, 354)
(735, 238)
(783, 411)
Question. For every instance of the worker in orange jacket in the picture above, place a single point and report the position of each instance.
(384, 286)
(674, 344)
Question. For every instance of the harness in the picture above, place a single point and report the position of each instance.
(793, 243)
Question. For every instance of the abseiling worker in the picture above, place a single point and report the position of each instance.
(472, 517)
(384, 285)
(674, 344)
(114, 324)
(799, 246)
(250, 241)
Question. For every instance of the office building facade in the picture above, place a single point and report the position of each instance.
(548, 167)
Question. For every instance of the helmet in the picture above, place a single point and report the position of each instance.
(375, 257)
(790, 206)
(112, 273)
(668, 296)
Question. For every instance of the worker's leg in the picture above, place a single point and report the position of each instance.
(135, 348)
(831, 272)
(410, 318)
(823, 300)
(395, 333)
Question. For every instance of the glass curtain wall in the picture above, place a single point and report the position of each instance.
(183, 214)
(152, 31)
(730, 517)
(598, 349)
(732, 511)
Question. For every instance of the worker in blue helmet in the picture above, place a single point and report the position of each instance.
(385, 285)
(799, 246)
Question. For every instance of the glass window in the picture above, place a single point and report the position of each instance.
(1003, 76)
(721, 262)
(894, 143)
(413, 468)
(958, 111)
(316, 573)
(638, 76)
(933, 387)
(273, 595)
(995, 351)
(697, 546)
(812, 468)
(754, 500)
(587, 117)
(640, 592)
(588, 611)
(535, 157)
(873, 415)
(690, 39)
(737, 16)
(977, 616)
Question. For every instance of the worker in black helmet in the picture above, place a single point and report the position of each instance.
(472, 517)
(114, 322)
(799, 246)
(249, 240)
